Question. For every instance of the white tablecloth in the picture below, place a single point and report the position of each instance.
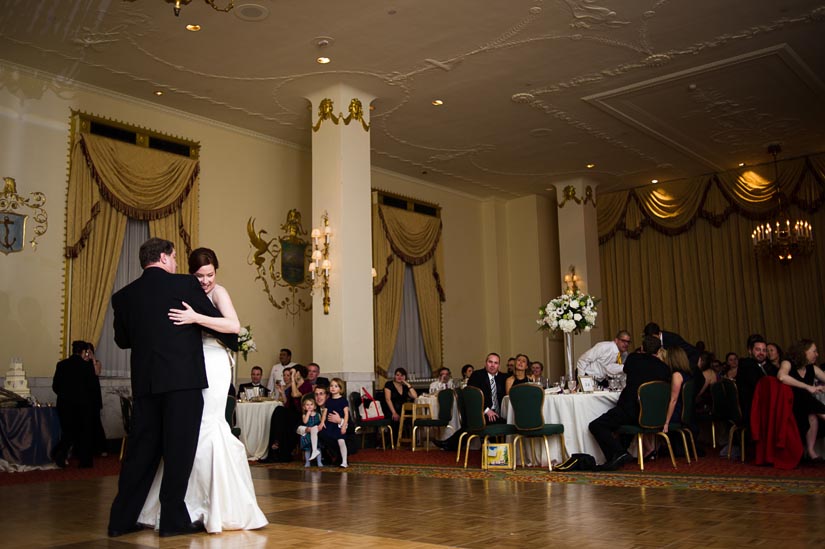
(575, 412)
(254, 418)
(455, 421)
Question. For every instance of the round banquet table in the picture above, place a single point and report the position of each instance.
(574, 411)
(455, 420)
(254, 418)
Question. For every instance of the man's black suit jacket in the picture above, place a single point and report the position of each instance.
(244, 386)
(481, 379)
(748, 375)
(165, 357)
(640, 368)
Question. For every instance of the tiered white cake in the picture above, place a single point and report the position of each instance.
(16, 379)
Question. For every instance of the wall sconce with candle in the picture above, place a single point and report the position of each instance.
(319, 265)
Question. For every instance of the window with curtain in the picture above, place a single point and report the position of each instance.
(409, 352)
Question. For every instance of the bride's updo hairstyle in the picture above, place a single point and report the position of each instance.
(200, 257)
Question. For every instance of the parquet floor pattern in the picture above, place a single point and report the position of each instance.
(309, 508)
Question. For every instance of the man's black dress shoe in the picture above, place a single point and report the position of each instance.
(192, 528)
(114, 533)
(616, 462)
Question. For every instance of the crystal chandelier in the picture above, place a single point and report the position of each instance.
(178, 3)
(783, 238)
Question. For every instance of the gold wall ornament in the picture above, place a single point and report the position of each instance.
(13, 223)
(569, 194)
(281, 263)
(325, 112)
(356, 112)
(589, 196)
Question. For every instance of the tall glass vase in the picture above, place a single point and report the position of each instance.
(568, 354)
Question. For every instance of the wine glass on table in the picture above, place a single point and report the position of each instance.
(571, 384)
(562, 383)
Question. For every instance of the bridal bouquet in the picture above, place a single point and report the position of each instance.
(570, 313)
(245, 342)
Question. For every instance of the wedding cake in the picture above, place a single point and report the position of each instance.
(16, 379)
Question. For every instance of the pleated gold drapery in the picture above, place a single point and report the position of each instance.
(681, 254)
(109, 182)
(401, 237)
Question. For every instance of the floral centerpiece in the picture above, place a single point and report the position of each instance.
(245, 342)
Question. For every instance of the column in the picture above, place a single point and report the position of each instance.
(342, 339)
(579, 246)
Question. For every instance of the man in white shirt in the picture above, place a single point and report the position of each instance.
(276, 376)
(443, 381)
(605, 358)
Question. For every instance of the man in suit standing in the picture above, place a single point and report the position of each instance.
(74, 383)
(255, 375)
(486, 380)
(640, 367)
(168, 374)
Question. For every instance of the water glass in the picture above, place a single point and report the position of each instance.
(571, 384)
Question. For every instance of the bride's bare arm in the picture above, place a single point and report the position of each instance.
(227, 324)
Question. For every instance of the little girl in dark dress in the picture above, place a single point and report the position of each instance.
(337, 403)
(311, 422)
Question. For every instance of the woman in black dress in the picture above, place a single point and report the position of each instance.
(519, 373)
(799, 370)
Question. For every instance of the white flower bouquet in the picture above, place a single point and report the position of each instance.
(246, 344)
(571, 313)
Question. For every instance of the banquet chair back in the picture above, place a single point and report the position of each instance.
(126, 404)
(231, 404)
(477, 426)
(683, 425)
(527, 403)
(654, 397)
(446, 398)
(360, 426)
(727, 411)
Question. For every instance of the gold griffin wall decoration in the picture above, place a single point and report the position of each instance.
(13, 222)
(356, 112)
(281, 263)
(326, 111)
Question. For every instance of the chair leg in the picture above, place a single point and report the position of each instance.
(547, 453)
(713, 432)
(684, 442)
(692, 444)
(467, 452)
(731, 432)
(427, 447)
(564, 455)
(460, 440)
(669, 448)
(742, 443)
(122, 447)
(414, 429)
(641, 452)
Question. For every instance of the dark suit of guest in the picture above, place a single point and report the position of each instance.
(74, 383)
(261, 388)
(639, 369)
(748, 375)
(168, 374)
(481, 379)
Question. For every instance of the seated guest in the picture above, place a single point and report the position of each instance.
(74, 384)
(285, 419)
(444, 381)
(276, 376)
(255, 375)
(640, 367)
(775, 354)
(519, 373)
(676, 359)
(750, 370)
(731, 368)
(397, 392)
(605, 358)
(488, 379)
(511, 366)
(313, 373)
(537, 373)
(466, 372)
(799, 370)
(708, 366)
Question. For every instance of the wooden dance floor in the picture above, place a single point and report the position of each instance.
(333, 509)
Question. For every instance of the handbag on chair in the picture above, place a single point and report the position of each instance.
(369, 409)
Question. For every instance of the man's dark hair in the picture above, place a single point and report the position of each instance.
(493, 354)
(753, 339)
(730, 354)
(79, 346)
(151, 249)
(651, 344)
(314, 364)
(651, 329)
(301, 370)
(287, 351)
(444, 368)
(258, 368)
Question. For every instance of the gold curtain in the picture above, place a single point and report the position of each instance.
(401, 237)
(109, 182)
(695, 272)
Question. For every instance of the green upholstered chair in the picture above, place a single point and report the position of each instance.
(654, 397)
(378, 425)
(446, 398)
(477, 426)
(726, 410)
(231, 403)
(527, 402)
(682, 425)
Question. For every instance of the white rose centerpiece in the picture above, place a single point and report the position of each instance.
(570, 313)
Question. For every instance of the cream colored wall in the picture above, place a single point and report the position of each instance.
(242, 175)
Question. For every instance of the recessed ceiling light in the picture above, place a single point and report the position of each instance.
(741, 164)
(193, 28)
(437, 102)
(158, 93)
(654, 181)
(591, 166)
(323, 60)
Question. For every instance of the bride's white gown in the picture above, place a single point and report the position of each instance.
(220, 491)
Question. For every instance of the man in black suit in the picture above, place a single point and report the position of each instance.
(485, 380)
(74, 383)
(313, 376)
(751, 369)
(256, 374)
(168, 374)
(640, 367)
(670, 339)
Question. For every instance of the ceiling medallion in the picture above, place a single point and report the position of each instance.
(780, 239)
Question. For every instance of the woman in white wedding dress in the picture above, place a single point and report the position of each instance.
(220, 492)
